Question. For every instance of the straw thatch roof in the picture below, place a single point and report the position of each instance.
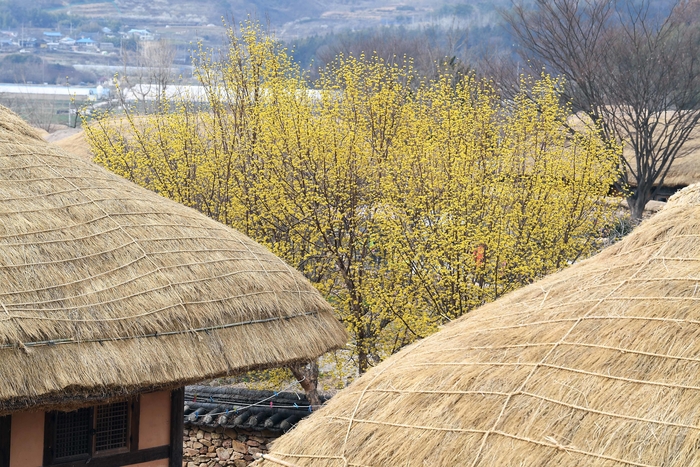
(107, 288)
(595, 365)
(71, 140)
(685, 169)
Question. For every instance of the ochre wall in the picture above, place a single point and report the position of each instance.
(154, 421)
(27, 443)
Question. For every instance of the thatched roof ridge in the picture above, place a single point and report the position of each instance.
(107, 288)
(685, 169)
(596, 365)
(73, 142)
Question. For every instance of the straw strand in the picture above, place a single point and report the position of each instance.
(129, 317)
(167, 279)
(610, 414)
(571, 449)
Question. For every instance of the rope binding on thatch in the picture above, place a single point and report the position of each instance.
(97, 273)
(594, 365)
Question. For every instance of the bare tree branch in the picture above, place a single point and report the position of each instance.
(632, 70)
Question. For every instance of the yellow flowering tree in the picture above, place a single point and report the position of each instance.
(407, 202)
(490, 196)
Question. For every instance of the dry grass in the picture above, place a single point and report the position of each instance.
(685, 169)
(107, 288)
(595, 365)
(76, 144)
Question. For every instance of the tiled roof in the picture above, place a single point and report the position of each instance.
(244, 408)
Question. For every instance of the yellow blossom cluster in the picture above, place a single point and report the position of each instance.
(407, 202)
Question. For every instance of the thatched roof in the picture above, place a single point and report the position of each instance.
(685, 169)
(107, 288)
(72, 141)
(595, 365)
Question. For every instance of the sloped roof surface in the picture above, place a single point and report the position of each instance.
(107, 288)
(594, 366)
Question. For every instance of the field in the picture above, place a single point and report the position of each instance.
(45, 112)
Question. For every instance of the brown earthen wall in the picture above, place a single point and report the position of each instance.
(27, 433)
(27, 439)
(154, 421)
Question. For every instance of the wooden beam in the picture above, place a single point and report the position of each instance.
(135, 422)
(5, 436)
(119, 460)
(49, 420)
(177, 419)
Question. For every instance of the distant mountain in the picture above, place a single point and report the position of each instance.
(289, 18)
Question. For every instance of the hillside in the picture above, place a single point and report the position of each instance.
(289, 18)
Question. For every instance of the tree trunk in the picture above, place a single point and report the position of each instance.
(307, 375)
(636, 205)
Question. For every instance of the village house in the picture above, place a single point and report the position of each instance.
(683, 172)
(86, 43)
(112, 299)
(52, 36)
(8, 44)
(66, 42)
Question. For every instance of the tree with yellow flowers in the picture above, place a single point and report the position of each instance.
(406, 202)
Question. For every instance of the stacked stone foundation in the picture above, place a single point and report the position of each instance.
(223, 447)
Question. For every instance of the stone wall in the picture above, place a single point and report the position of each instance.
(222, 447)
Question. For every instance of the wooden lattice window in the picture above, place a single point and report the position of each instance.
(112, 426)
(89, 432)
(72, 434)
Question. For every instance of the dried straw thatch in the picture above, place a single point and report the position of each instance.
(685, 169)
(74, 142)
(595, 365)
(107, 288)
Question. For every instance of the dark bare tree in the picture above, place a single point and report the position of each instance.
(630, 67)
